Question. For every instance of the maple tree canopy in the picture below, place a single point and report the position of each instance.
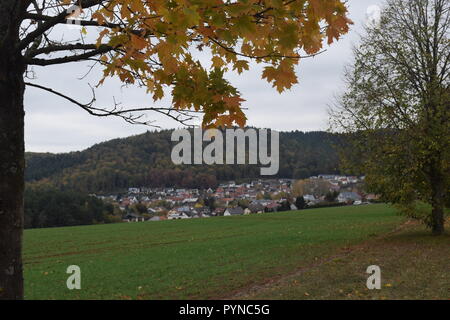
(151, 43)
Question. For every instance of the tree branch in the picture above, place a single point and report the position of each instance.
(84, 23)
(51, 22)
(127, 114)
(67, 59)
(56, 48)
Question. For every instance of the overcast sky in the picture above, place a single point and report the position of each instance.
(54, 125)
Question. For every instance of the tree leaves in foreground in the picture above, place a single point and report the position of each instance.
(152, 44)
(155, 44)
(397, 108)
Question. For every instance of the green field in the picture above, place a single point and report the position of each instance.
(261, 255)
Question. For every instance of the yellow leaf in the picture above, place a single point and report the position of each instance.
(217, 62)
(240, 66)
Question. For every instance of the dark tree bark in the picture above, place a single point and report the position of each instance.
(437, 216)
(12, 161)
(438, 204)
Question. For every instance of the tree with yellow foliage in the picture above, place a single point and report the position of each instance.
(150, 44)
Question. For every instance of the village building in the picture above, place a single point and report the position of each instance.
(233, 211)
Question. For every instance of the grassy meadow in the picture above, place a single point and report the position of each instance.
(312, 254)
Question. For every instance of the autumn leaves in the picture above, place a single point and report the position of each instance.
(155, 41)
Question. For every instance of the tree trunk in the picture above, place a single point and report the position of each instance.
(437, 216)
(12, 163)
(438, 204)
(12, 166)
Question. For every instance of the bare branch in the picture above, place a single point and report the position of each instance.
(67, 59)
(60, 18)
(56, 48)
(84, 23)
(131, 115)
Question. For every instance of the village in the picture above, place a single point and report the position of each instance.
(230, 199)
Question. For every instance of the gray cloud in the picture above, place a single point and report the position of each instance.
(54, 125)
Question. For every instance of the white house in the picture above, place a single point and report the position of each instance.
(348, 196)
(309, 198)
(233, 211)
(175, 216)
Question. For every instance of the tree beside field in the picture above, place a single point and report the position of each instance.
(397, 109)
(150, 44)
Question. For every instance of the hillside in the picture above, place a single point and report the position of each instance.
(144, 160)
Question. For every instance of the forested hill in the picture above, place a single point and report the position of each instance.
(144, 160)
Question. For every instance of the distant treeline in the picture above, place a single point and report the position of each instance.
(49, 207)
(144, 160)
